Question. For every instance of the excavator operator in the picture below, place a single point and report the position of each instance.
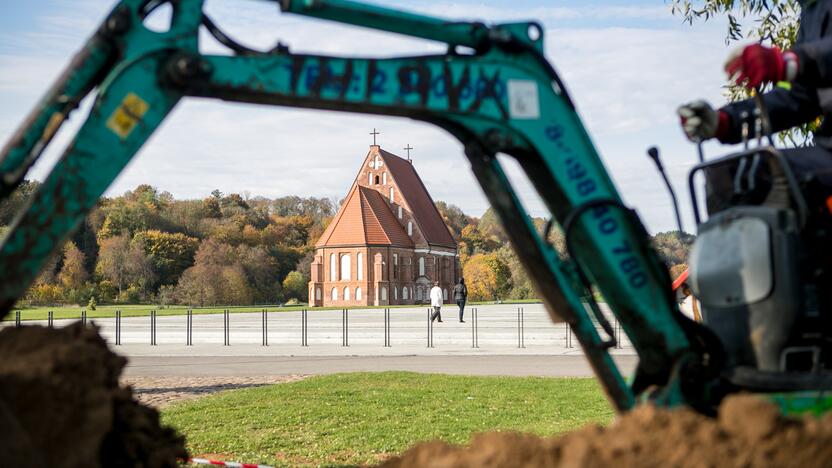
(803, 92)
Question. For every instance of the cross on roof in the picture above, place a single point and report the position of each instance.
(374, 133)
(408, 148)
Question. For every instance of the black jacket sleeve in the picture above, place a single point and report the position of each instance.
(815, 59)
(787, 108)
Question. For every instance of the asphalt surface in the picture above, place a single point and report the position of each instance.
(238, 366)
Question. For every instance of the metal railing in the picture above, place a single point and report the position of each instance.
(357, 327)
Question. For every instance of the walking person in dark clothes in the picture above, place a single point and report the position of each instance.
(460, 296)
(436, 301)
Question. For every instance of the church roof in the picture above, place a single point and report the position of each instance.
(364, 218)
(421, 204)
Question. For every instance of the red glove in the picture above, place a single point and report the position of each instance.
(757, 64)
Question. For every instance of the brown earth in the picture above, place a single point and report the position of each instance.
(749, 432)
(61, 404)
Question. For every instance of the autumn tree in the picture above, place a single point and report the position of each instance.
(487, 277)
(294, 286)
(170, 253)
(454, 218)
(125, 263)
(72, 274)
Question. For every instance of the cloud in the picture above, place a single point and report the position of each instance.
(626, 81)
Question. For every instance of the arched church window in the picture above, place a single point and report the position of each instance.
(318, 293)
(395, 293)
(400, 212)
(332, 268)
(391, 194)
(359, 265)
(358, 293)
(369, 179)
(347, 293)
(384, 178)
(404, 293)
(444, 294)
(345, 267)
(334, 294)
(376, 180)
(421, 266)
(410, 228)
(384, 293)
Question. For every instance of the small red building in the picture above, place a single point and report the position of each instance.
(387, 244)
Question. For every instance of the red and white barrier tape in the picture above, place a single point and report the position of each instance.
(205, 461)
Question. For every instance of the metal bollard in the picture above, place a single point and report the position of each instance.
(568, 335)
(265, 320)
(152, 328)
(345, 327)
(83, 317)
(17, 319)
(118, 327)
(521, 328)
(189, 328)
(475, 328)
(430, 330)
(226, 334)
(387, 328)
(303, 328)
(50, 318)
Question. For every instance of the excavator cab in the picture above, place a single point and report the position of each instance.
(760, 269)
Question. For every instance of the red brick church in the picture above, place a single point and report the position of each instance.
(387, 244)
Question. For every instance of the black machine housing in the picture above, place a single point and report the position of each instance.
(759, 268)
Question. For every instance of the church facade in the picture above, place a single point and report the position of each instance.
(387, 244)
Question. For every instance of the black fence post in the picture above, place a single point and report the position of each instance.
(522, 327)
(473, 319)
(50, 318)
(568, 335)
(17, 319)
(345, 327)
(118, 327)
(226, 335)
(265, 321)
(152, 328)
(303, 322)
(430, 330)
(189, 328)
(83, 317)
(387, 328)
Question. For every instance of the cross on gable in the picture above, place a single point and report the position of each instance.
(374, 133)
(408, 148)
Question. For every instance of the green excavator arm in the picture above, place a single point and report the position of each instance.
(494, 90)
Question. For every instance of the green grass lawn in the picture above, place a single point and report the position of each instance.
(143, 310)
(365, 417)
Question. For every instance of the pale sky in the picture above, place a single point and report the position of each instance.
(628, 65)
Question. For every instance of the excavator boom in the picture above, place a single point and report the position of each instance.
(493, 90)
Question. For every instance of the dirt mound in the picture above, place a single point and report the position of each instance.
(749, 432)
(61, 405)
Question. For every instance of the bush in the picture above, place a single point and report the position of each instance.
(91, 304)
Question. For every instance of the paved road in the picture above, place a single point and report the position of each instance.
(514, 365)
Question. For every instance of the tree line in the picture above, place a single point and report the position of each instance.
(232, 249)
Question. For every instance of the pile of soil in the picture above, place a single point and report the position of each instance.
(61, 405)
(749, 432)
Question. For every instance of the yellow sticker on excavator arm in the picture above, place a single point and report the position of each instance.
(127, 115)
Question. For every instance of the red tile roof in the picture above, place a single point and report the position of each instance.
(364, 218)
(424, 211)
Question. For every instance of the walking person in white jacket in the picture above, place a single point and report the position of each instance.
(436, 301)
